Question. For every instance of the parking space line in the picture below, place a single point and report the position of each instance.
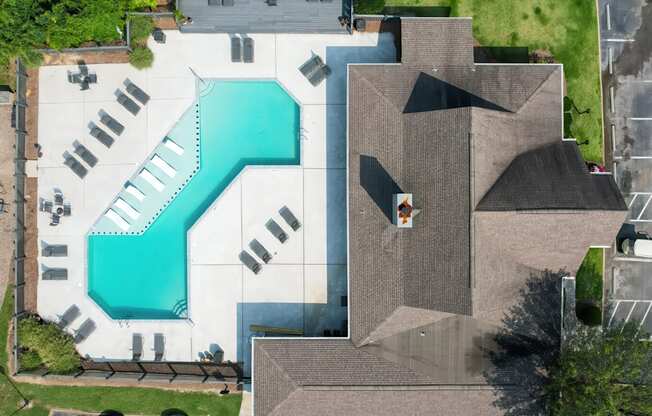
(613, 138)
(613, 313)
(632, 201)
(633, 157)
(608, 17)
(629, 315)
(611, 61)
(618, 40)
(644, 317)
(612, 104)
(640, 118)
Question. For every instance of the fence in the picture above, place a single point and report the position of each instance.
(20, 103)
(171, 372)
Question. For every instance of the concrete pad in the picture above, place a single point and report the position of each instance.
(325, 221)
(324, 136)
(203, 247)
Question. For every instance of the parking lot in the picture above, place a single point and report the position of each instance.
(625, 32)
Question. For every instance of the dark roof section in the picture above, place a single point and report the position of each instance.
(437, 42)
(246, 16)
(273, 385)
(551, 177)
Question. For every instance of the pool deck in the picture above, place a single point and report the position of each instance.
(303, 284)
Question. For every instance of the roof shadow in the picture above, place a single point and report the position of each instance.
(378, 183)
(430, 94)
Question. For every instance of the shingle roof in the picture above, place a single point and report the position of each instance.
(462, 139)
(437, 42)
(551, 177)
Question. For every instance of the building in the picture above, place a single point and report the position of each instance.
(499, 198)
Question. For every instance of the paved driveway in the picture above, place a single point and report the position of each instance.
(626, 30)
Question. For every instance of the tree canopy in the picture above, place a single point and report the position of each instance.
(32, 24)
(603, 372)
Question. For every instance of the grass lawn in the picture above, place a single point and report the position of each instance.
(589, 277)
(568, 29)
(95, 399)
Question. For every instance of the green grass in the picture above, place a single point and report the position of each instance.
(568, 29)
(95, 399)
(589, 277)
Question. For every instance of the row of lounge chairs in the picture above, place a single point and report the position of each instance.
(223, 3)
(123, 212)
(54, 250)
(277, 231)
(102, 136)
(85, 329)
(315, 70)
(242, 49)
(54, 274)
(137, 347)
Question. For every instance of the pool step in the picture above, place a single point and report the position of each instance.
(180, 308)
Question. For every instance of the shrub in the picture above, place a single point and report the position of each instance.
(141, 57)
(54, 347)
(29, 360)
(140, 28)
(588, 313)
(141, 4)
(369, 6)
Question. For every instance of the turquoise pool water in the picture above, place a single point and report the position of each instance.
(241, 123)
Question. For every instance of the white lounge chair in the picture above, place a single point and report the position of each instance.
(151, 179)
(172, 145)
(125, 207)
(135, 192)
(164, 166)
(117, 219)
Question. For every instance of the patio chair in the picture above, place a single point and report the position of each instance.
(58, 197)
(55, 219)
(111, 123)
(67, 210)
(102, 136)
(74, 78)
(129, 104)
(136, 92)
(260, 250)
(68, 316)
(3, 205)
(276, 230)
(136, 347)
(45, 206)
(250, 262)
(74, 165)
(159, 346)
(319, 75)
(236, 49)
(214, 2)
(227, 3)
(248, 50)
(55, 250)
(85, 84)
(85, 154)
(55, 274)
(311, 65)
(85, 329)
(289, 217)
(92, 78)
(271, 3)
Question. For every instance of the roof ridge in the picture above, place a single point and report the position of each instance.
(536, 90)
(377, 91)
(284, 373)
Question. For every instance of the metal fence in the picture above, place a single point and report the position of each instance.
(20, 103)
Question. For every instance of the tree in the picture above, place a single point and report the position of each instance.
(602, 372)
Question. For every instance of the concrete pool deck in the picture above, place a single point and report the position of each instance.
(302, 285)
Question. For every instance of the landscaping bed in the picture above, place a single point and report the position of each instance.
(128, 400)
(588, 289)
(566, 30)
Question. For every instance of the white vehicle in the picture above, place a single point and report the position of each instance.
(639, 247)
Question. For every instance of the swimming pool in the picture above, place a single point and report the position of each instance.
(241, 123)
